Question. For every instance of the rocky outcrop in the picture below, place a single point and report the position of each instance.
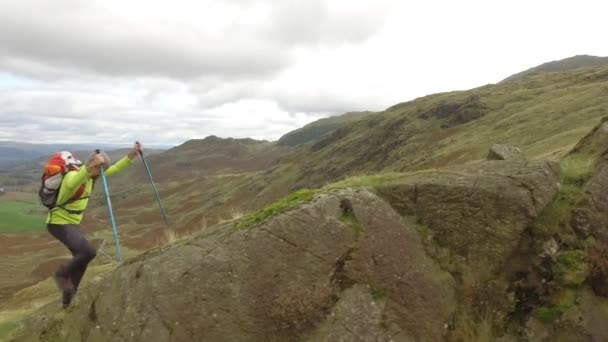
(590, 216)
(345, 323)
(595, 142)
(479, 211)
(454, 113)
(505, 152)
(325, 272)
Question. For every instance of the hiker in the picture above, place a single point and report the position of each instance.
(66, 213)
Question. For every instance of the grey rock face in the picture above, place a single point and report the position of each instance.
(307, 273)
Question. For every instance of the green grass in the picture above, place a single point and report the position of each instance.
(378, 294)
(549, 315)
(559, 304)
(350, 220)
(6, 329)
(21, 216)
(577, 169)
(571, 268)
(278, 207)
(556, 216)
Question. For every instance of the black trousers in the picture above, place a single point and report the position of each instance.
(82, 251)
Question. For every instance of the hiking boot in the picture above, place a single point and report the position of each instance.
(66, 287)
(67, 296)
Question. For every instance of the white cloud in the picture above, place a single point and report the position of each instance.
(170, 71)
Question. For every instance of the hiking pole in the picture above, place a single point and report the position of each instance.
(160, 204)
(107, 191)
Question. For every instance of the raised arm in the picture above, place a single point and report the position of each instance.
(119, 166)
(126, 161)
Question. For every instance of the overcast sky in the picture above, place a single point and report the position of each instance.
(168, 71)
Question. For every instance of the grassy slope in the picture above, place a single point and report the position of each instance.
(21, 212)
(544, 114)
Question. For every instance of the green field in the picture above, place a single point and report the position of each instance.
(21, 216)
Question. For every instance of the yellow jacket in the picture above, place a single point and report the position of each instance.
(72, 213)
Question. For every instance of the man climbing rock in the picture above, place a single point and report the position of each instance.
(66, 212)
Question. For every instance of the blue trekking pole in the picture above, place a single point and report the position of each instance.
(107, 191)
(160, 204)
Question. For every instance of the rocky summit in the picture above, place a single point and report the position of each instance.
(350, 264)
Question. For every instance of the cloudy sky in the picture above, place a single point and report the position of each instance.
(167, 71)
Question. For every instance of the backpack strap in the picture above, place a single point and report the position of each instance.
(69, 211)
(70, 201)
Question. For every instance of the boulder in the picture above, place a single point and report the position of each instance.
(345, 323)
(316, 272)
(595, 143)
(505, 152)
(590, 215)
(478, 211)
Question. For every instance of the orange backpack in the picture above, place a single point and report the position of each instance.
(54, 170)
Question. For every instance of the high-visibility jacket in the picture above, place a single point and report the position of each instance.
(70, 210)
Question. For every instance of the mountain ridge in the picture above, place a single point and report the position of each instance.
(544, 114)
(566, 64)
(314, 131)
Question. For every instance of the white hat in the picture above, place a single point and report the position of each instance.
(70, 160)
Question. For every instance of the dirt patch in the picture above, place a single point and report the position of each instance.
(146, 218)
(23, 243)
(17, 196)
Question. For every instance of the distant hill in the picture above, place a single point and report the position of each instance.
(213, 155)
(316, 130)
(571, 63)
(24, 171)
(13, 151)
